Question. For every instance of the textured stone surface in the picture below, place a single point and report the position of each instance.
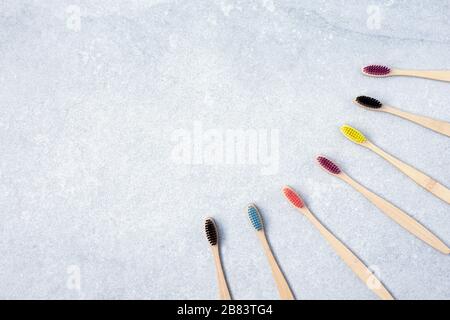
(88, 119)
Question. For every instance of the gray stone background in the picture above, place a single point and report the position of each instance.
(91, 92)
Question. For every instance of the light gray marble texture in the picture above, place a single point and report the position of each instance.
(93, 94)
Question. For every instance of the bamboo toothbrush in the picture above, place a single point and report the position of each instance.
(257, 223)
(352, 261)
(433, 124)
(388, 208)
(213, 238)
(384, 71)
(419, 177)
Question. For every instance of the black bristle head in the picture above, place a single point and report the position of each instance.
(369, 102)
(211, 231)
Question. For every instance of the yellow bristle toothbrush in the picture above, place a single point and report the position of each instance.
(388, 208)
(213, 238)
(352, 261)
(257, 223)
(419, 177)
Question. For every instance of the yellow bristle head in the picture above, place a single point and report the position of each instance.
(353, 134)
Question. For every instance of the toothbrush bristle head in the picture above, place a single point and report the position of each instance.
(376, 70)
(211, 231)
(328, 165)
(293, 197)
(368, 102)
(352, 134)
(255, 217)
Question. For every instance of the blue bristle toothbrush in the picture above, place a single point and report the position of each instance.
(257, 223)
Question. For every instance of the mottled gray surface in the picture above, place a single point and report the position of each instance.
(87, 123)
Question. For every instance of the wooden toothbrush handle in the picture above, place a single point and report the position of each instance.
(430, 123)
(354, 263)
(282, 285)
(224, 293)
(399, 216)
(419, 177)
(443, 75)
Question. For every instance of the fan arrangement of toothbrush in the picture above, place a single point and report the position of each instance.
(393, 212)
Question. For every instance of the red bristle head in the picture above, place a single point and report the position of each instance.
(328, 165)
(293, 197)
(377, 70)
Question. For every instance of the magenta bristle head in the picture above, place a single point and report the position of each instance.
(376, 70)
(328, 165)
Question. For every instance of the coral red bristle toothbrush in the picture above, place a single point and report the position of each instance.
(352, 261)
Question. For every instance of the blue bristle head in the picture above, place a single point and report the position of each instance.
(255, 217)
